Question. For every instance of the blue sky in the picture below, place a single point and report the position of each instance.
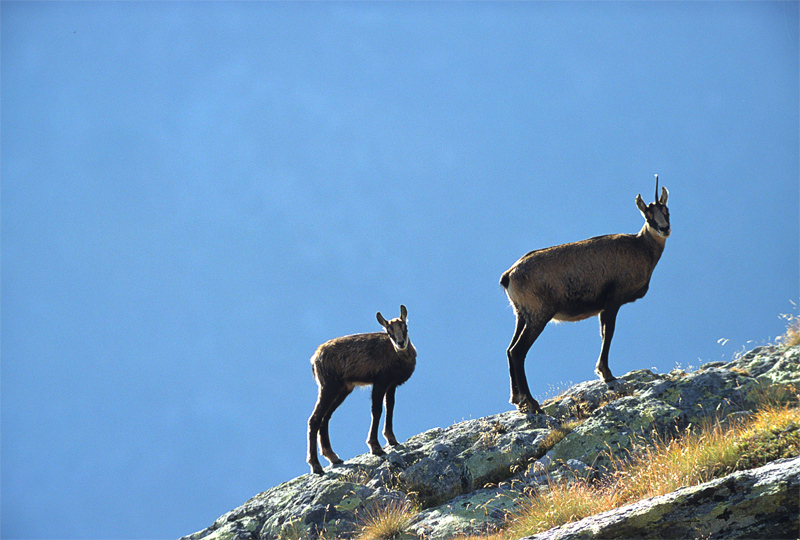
(196, 195)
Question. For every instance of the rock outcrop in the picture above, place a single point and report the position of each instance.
(468, 477)
(759, 503)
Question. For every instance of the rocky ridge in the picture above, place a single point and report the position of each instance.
(468, 477)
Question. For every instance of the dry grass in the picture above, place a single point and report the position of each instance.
(357, 476)
(387, 521)
(792, 335)
(716, 450)
(491, 433)
(558, 433)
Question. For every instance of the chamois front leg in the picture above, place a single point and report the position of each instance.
(608, 320)
(388, 431)
(378, 393)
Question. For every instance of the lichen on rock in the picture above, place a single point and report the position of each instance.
(467, 477)
(759, 503)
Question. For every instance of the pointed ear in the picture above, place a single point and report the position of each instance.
(664, 196)
(383, 322)
(403, 312)
(640, 204)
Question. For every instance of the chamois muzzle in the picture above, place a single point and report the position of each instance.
(399, 339)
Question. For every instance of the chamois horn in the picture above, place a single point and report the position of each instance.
(656, 199)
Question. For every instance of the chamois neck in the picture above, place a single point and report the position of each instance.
(409, 351)
(653, 239)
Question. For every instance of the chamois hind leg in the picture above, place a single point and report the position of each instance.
(324, 437)
(388, 431)
(325, 399)
(378, 392)
(516, 359)
(608, 320)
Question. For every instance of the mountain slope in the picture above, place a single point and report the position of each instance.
(468, 477)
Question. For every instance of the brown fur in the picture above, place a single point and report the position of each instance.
(575, 281)
(341, 364)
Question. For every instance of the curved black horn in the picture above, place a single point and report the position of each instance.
(656, 199)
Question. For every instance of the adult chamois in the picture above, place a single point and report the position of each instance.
(383, 359)
(572, 282)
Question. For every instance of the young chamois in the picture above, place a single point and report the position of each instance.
(572, 282)
(383, 359)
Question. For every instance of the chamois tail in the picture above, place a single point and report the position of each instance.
(504, 279)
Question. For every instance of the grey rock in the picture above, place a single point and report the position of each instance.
(467, 478)
(479, 512)
(759, 503)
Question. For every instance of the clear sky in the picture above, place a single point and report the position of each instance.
(196, 195)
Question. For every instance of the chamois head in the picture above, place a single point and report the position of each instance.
(656, 213)
(397, 329)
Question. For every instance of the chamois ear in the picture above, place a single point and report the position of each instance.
(383, 322)
(403, 313)
(640, 204)
(664, 196)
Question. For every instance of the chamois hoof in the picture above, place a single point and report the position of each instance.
(606, 376)
(529, 406)
(378, 451)
(391, 440)
(316, 468)
(332, 457)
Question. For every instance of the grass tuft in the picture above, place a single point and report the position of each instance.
(792, 335)
(387, 521)
(558, 433)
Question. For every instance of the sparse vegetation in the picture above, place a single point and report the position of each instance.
(739, 441)
(357, 476)
(558, 433)
(492, 433)
(792, 335)
(387, 522)
(708, 452)
(293, 530)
